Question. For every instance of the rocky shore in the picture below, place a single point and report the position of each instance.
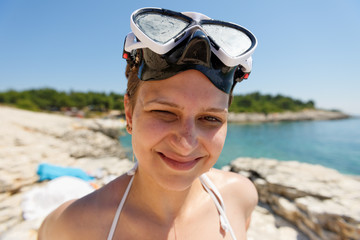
(320, 202)
(28, 139)
(298, 201)
(305, 115)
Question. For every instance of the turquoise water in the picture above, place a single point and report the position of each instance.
(334, 144)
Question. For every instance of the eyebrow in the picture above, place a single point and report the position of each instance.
(174, 105)
(221, 110)
(162, 102)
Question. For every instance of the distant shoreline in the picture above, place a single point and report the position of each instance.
(304, 115)
(234, 117)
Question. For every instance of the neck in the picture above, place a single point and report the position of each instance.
(164, 205)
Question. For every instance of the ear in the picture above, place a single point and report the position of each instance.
(128, 113)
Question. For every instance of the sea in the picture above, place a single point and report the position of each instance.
(332, 143)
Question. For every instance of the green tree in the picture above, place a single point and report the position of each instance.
(26, 104)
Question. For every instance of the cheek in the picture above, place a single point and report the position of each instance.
(146, 132)
(216, 141)
(221, 139)
(148, 127)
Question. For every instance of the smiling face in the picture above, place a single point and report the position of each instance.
(178, 128)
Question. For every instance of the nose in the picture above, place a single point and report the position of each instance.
(185, 139)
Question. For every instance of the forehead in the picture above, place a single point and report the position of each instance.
(189, 87)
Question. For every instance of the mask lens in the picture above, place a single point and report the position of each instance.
(233, 41)
(158, 27)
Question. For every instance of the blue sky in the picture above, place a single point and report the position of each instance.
(309, 50)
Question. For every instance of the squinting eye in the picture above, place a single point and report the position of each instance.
(165, 115)
(162, 112)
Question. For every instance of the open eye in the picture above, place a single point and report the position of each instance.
(211, 119)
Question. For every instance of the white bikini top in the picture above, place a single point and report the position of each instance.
(210, 189)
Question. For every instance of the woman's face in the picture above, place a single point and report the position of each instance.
(178, 128)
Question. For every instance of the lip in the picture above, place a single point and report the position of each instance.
(179, 165)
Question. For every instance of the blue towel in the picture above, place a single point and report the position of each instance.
(48, 172)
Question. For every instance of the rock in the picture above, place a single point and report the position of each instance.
(109, 127)
(86, 143)
(26, 230)
(28, 139)
(10, 211)
(104, 168)
(321, 202)
(266, 225)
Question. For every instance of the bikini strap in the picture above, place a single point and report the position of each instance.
(122, 202)
(219, 203)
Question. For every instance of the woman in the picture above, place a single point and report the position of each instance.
(182, 68)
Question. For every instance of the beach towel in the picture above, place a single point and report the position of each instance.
(48, 172)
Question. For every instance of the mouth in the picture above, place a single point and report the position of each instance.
(182, 165)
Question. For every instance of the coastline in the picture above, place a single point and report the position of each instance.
(28, 139)
(305, 115)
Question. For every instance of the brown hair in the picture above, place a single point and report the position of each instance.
(133, 83)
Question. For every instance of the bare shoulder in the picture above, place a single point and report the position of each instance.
(236, 189)
(54, 225)
(80, 217)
